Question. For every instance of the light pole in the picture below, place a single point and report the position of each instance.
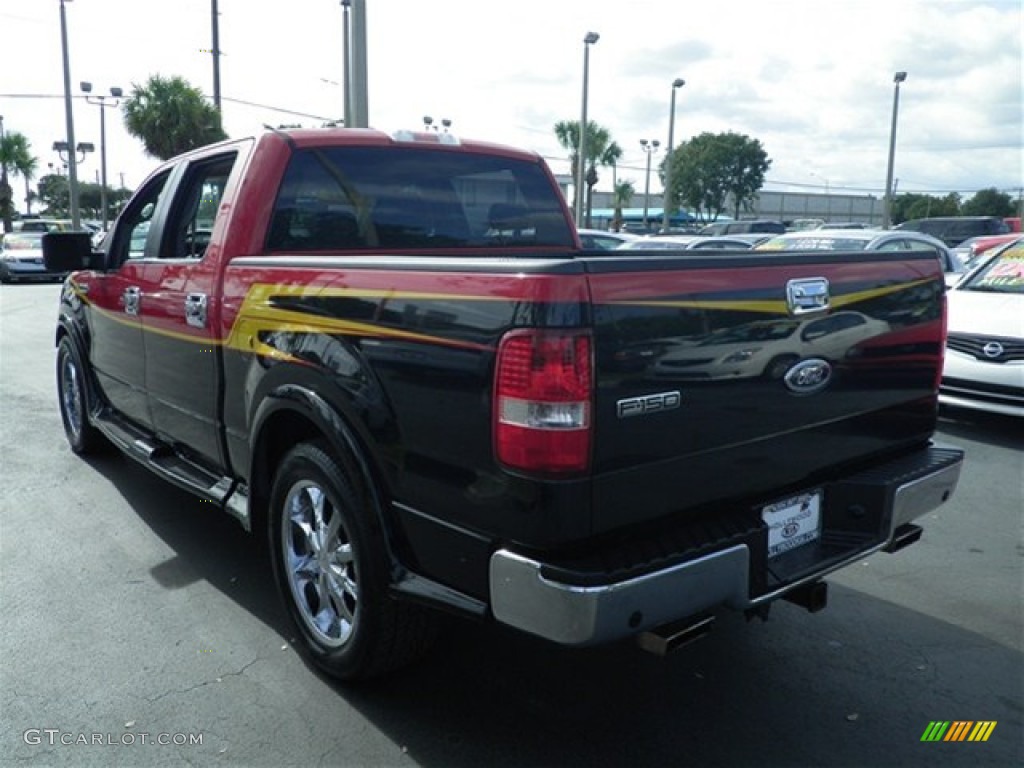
(359, 93)
(676, 84)
(101, 102)
(581, 153)
(215, 51)
(898, 78)
(650, 147)
(346, 36)
(76, 219)
(71, 159)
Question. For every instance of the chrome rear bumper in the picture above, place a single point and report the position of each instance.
(523, 597)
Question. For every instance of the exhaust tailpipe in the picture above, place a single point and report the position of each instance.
(662, 641)
(813, 596)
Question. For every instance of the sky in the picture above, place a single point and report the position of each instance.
(812, 80)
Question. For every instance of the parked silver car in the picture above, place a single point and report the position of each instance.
(867, 240)
(21, 258)
(984, 364)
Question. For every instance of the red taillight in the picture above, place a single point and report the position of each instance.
(542, 401)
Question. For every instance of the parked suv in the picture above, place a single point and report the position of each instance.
(953, 230)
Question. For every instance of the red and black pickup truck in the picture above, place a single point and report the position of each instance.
(391, 360)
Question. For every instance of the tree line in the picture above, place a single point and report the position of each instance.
(718, 173)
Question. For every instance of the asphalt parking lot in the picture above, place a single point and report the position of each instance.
(137, 620)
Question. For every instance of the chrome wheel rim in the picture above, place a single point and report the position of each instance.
(71, 395)
(319, 564)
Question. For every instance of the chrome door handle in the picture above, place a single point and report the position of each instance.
(131, 297)
(195, 309)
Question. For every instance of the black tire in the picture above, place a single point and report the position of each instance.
(73, 399)
(331, 568)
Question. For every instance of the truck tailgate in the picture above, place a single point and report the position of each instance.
(732, 377)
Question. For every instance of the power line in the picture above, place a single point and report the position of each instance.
(282, 110)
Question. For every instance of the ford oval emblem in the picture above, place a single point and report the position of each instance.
(808, 376)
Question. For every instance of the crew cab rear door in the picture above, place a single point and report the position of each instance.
(179, 307)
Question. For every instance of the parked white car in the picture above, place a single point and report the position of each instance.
(768, 348)
(867, 240)
(984, 364)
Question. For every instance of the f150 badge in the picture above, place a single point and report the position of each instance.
(641, 406)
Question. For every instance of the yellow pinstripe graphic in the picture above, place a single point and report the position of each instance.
(256, 315)
(772, 306)
(135, 322)
(263, 291)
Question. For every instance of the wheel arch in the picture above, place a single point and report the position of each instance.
(67, 327)
(293, 414)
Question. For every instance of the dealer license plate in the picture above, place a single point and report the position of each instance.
(792, 522)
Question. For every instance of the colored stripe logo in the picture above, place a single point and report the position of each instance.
(958, 730)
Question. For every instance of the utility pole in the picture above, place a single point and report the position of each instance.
(69, 117)
(358, 92)
(215, 52)
(890, 191)
(346, 53)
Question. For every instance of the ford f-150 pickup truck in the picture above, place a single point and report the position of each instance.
(390, 359)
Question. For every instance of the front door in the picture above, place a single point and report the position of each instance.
(116, 344)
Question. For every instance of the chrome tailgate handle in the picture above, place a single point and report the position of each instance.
(195, 310)
(808, 294)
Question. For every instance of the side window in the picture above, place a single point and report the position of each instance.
(195, 208)
(843, 321)
(818, 328)
(133, 226)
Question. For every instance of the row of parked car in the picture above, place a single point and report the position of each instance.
(812, 239)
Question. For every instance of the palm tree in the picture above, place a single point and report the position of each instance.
(14, 154)
(170, 117)
(601, 150)
(609, 157)
(622, 197)
(26, 168)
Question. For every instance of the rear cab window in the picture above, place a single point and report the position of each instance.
(410, 198)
